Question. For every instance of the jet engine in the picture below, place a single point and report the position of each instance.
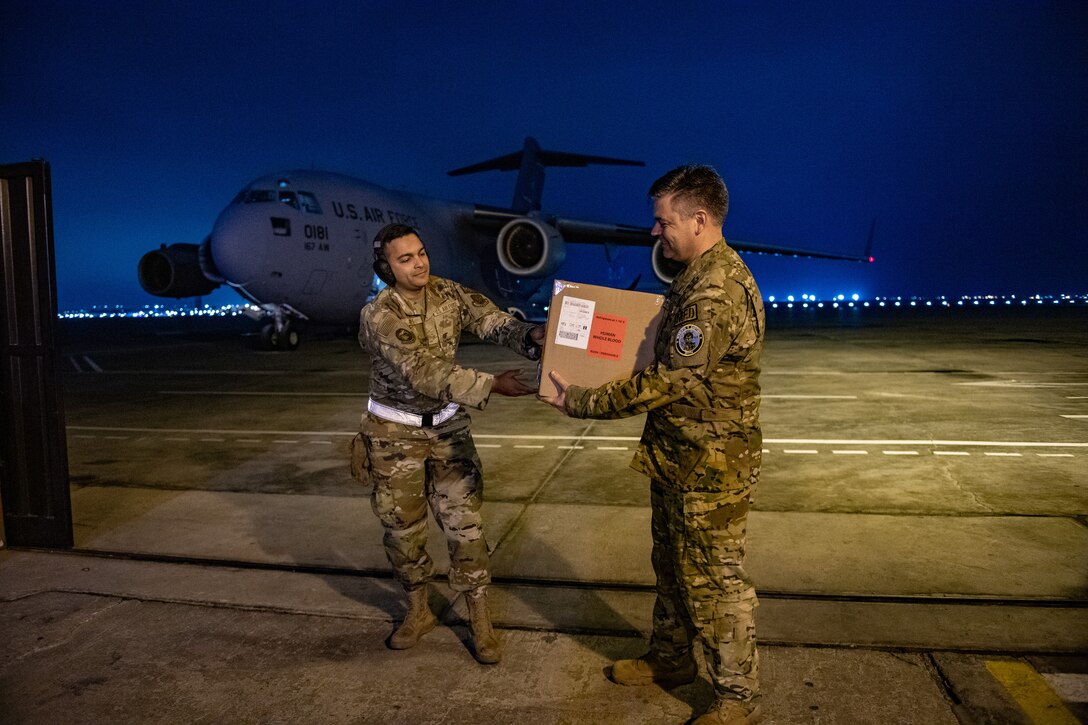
(175, 271)
(665, 269)
(530, 248)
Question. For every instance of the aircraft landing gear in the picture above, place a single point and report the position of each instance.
(286, 338)
(279, 333)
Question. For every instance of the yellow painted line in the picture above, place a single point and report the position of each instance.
(1031, 692)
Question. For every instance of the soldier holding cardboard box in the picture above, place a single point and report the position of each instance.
(700, 447)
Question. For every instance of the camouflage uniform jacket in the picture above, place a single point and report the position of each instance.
(412, 345)
(702, 390)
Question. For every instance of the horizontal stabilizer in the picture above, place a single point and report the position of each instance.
(530, 163)
(512, 162)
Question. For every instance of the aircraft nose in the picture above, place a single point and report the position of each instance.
(237, 244)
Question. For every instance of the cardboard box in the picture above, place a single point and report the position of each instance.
(597, 334)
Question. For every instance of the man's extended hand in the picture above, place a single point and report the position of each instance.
(508, 383)
(537, 334)
(559, 399)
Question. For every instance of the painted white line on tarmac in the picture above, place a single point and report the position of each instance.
(800, 450)
(959, 453)
(851, 453)
(489, 445)
(1075, 417)
(1004, 454)
(580, 437)
(1076, 397)
(227, 431)
(1054, 455)
(1018, 384)
(247, 440)
(530, 437)
(211, 440)
(923, 442)
(571, 448)
(811, 397)
(281, 393)
(235, 372)
(320, 443)
(177, 440)
(525, 446)
(900, 453)
(613, 448)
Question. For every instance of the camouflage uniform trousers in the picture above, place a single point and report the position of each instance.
(702, 589)
(412, 467)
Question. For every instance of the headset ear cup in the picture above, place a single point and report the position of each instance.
(384, 271)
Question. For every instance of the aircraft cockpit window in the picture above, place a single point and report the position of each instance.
(309, 202)
(255, 196)
(288, 198)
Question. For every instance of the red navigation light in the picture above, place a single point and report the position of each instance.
(872, 259)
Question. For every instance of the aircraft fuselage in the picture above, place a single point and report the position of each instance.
(304, 239)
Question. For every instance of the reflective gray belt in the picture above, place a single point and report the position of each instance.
(426, 420)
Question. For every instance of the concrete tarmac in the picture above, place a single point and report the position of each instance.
(918, 535)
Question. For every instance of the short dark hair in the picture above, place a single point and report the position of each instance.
(389, 233)
(693, 187)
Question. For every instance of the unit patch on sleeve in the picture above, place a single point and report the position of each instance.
(690, 313)
(689, 339)
(405, 336)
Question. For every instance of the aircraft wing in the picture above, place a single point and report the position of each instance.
(577, 231)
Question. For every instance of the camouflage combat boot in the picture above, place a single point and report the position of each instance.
(417, 622)
(649, 669)
(486, 644)
(731, 712)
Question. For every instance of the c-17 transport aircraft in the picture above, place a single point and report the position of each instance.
(298, 244)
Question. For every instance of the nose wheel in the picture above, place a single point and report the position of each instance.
(284, 338)
(279, 331)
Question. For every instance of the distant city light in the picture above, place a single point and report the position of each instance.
(161, 310)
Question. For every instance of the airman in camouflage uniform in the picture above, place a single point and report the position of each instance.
(701, 448)
(418, 443)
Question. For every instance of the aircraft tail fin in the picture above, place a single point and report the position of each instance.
(868, 255)
(530, 163)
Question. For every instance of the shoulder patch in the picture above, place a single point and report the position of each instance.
(689, 339)
(385, 324)
(405, 335)
(478, 300)
(689, 313)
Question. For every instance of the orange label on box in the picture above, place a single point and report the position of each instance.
(606, 336)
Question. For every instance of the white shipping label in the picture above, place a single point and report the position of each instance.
(575, 319)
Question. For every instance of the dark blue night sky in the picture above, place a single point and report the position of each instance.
(961, 127)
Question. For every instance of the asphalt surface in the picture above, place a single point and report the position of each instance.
(918, 537)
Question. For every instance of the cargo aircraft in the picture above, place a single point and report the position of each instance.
(298, 244)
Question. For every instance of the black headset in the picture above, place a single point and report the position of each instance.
(387, 234)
